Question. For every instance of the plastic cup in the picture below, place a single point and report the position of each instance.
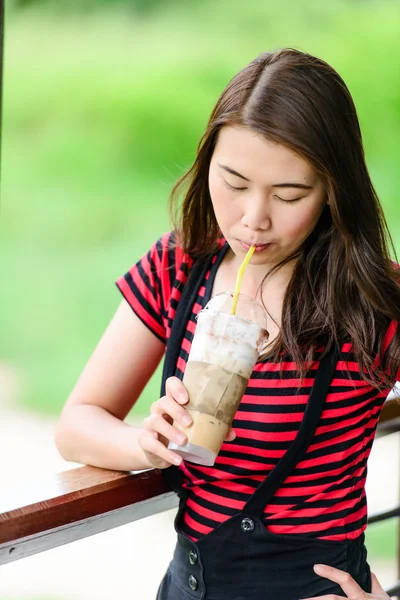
(224, 351)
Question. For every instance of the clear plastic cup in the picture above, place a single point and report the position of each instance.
(224, 351)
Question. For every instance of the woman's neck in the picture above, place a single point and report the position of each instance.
(270, 295)
(254, 275)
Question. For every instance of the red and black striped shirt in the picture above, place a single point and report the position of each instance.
(324, 497)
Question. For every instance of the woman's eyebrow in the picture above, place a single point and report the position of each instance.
(233, 172)
(302, 186)
(294, 185)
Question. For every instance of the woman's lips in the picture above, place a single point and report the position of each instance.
(259, 247)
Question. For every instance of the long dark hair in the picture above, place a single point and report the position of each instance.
(344, 286)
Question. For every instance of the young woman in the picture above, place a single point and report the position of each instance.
(281, 165)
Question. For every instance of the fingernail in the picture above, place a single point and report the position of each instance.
(181, 439)
(177, 460)
(186, 420)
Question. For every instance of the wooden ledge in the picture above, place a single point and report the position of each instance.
(75, 504)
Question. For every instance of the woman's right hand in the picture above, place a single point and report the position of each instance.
(158, 430)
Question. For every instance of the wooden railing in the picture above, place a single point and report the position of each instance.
(81, 502)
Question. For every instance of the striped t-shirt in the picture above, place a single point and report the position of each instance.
(324, 496)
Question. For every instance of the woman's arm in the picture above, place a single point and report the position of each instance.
(91, 428)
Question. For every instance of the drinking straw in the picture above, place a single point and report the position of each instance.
(239, 278)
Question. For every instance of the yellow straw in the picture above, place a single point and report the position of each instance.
(239, 278)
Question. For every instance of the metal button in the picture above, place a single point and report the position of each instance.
(193, 557)
(193, 583)
(247, 524)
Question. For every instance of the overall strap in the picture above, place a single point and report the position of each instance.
(183, 313)
(184, 310)
(267, 489)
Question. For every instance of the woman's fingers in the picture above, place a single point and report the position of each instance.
(345, 580)
(376, 587)
(230, 436)
(158, 428)
(166, 414)
(326, 597)
(176, 391)
(156, 422)
(348, 585)
(175, 388)
(167, 405)
(157, 452)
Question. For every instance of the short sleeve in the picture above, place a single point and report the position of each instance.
(148, 284)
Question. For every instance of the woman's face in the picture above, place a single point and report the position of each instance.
(263, 194)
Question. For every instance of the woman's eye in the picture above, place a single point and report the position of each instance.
(236, 189)
(289, 201)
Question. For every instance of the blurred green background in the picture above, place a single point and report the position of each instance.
(104, 103)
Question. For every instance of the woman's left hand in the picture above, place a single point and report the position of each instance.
(348, 585)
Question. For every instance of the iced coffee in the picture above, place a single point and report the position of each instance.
(224, 351)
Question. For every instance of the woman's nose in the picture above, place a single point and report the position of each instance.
(256, 214)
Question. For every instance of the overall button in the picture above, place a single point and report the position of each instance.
(193, 583)
(247, 524)
(193, 557)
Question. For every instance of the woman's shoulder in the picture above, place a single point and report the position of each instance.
(167, 254)
(170, 250)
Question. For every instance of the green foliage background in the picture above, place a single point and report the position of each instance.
(103, 110)
(104, 103)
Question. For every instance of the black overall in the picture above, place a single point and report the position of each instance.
(240, 559)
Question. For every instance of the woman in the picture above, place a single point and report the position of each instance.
(280, 166)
